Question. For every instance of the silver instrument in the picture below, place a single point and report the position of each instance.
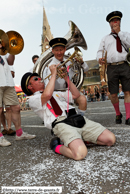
(74, 38)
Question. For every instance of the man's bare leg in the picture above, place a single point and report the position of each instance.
(81, 101)
(8, 117)
(3, 141)
(75, 150)
(106, 138)
(16, 117)
(3, 121)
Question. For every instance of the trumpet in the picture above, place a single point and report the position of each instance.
(77, 54)
(12, 42)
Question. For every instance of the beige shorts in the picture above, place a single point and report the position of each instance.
(8, 96)
(89, 132)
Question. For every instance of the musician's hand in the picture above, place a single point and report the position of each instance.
(101, 61)
(66, 77)
(53, 69)
(62, 72)
(79, 59)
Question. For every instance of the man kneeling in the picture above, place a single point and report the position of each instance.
(70, 128)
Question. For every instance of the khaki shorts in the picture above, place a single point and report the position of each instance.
(89, 132)
(8, 96)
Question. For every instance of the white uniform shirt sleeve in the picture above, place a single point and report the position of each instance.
(11, 68)
(35, 102)
(85, 66)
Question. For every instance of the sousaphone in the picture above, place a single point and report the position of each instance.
(12, 42)
(74, 38)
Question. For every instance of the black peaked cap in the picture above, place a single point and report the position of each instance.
(114, 14)
(58, 42)
(24, 82)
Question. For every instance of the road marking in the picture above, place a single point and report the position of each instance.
(102, 113)
(121, 128)
(38, 126)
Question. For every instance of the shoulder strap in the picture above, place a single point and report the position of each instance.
(51, 109)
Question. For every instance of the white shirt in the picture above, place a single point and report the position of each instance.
(6, 78)
(109, 45)
(11, 68)
(43, 112)
(60, 83)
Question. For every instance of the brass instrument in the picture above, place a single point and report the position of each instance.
(16, 42)
(102, 69)
(77, 54)
(4, 41)
(74, 38)
(12, 42)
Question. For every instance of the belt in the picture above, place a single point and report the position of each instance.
(116, 63)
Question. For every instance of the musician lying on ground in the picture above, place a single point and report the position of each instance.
(72, 130)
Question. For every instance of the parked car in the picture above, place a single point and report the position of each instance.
(121, 95)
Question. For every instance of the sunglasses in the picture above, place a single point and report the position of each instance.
(36, 78)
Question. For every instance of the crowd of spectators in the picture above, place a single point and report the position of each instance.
(23, 101)
(97, 95)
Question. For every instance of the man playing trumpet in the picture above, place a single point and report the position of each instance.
(117, 44)
(51, 107)
(58, 49)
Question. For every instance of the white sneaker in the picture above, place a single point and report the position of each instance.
(25, 136)
(4, 142)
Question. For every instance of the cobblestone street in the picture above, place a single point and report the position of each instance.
(105, 170)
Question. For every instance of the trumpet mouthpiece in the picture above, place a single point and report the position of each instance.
(42, 81)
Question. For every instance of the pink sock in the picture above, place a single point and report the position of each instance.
(1, 134)
(127, 108)
(116, 106)
(19, 132)
(57, 150)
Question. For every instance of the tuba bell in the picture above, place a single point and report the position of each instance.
(74, 38)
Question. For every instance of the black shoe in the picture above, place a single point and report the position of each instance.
(127, 122)
(9, 132)
(54, 143)
(119, 119)
(4, 132)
